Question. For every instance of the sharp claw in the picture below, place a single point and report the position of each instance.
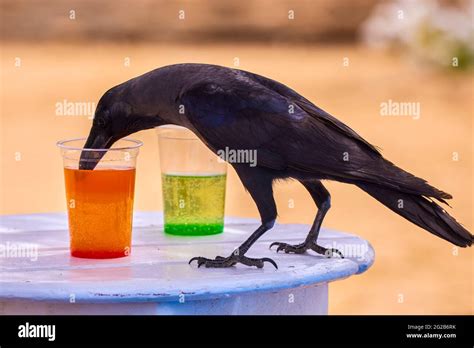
(338, 252)
(194, 259)
(200, 261)
(274, 243)
(269, 261)
(285, 247)
(209, 263)
(329, 253)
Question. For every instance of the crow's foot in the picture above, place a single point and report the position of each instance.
(288, 248)
(222, 262)
(303, 247)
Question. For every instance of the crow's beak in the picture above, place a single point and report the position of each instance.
(97, 140)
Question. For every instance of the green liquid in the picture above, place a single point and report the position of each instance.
(193, 204)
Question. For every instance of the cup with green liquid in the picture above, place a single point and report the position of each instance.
(193, 181)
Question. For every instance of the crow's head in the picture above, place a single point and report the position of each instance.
(114, 119)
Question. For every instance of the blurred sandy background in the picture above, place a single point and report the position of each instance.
(47, 57)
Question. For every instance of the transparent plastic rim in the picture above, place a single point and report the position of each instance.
(187, 134)
(63, 145)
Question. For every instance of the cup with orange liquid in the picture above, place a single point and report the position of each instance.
(100, 201)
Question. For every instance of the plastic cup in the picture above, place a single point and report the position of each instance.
(193, 183)
(100, 201)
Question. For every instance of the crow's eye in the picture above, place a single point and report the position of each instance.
(99, 122)
(101, 118)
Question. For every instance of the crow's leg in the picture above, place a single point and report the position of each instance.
(238, 255)
(322, 198)
(259, 184)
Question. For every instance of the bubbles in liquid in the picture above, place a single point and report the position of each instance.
(100, 218)
(193, 204)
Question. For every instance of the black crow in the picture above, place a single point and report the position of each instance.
(293, 138)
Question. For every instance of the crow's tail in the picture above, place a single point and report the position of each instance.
(422, 212)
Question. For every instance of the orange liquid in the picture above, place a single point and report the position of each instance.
(100, 205)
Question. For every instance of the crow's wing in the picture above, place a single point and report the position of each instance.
(319, 114)
(241, 113)
(241, 116)
(367, 163)
(289, 132)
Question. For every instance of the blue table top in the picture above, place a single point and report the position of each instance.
(157, 269)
